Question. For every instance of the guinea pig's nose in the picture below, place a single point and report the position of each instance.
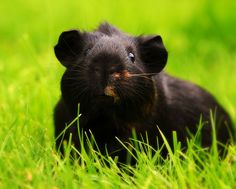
(112, 69)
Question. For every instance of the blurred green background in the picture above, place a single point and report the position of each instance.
(199, 35)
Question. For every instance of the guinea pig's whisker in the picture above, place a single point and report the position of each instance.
(79, 92)
(136, 90)
(143, 74)
(145, 77)
(129, 90)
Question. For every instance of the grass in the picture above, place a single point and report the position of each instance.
(200, 37)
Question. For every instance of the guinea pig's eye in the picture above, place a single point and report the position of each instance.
(131, 57)
(86, 52)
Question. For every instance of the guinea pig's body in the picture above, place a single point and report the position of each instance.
(117, 81)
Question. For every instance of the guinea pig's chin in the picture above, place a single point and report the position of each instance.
(106, 99)
(103, 100)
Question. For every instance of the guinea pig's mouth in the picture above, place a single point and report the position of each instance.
(109, 95)
(109, 91)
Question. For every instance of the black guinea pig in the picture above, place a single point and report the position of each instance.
(118, 81)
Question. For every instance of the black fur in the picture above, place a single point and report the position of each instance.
(117, 93)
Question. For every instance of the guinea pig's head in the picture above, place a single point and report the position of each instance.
(109, 64)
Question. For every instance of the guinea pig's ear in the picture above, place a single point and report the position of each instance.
(69, 46)
(153, 53)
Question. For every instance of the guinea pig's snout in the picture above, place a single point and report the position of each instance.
(124, 75)
(107, 71)
(106, 66)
